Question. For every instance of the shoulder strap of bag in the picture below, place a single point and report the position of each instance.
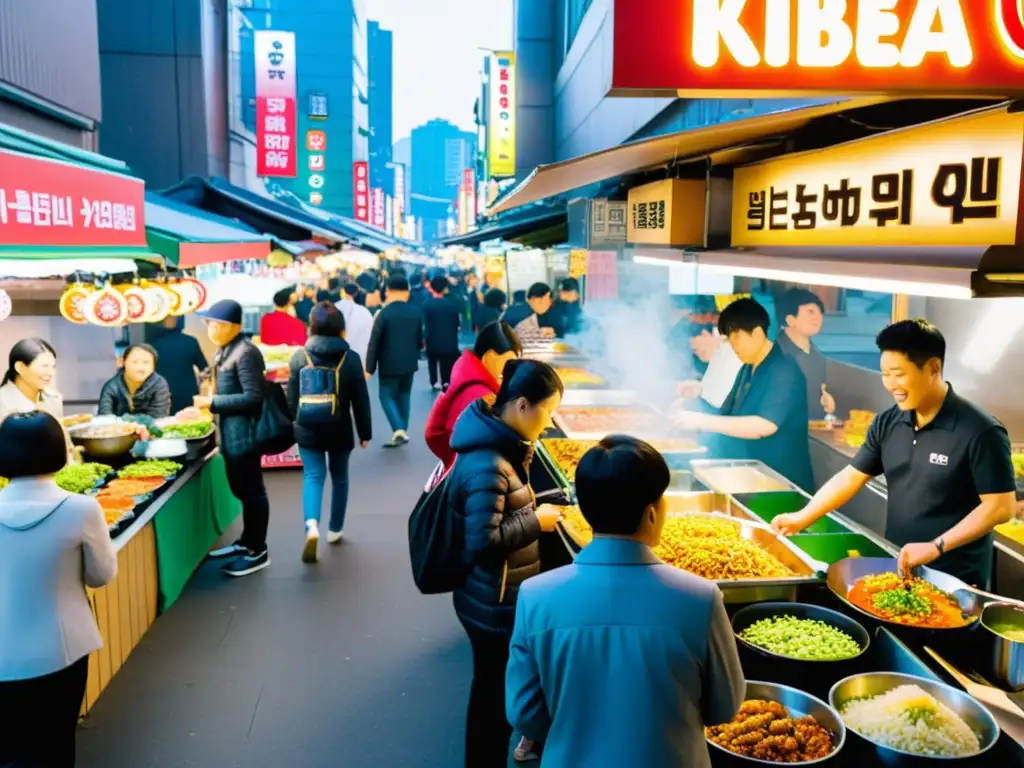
(337, 374)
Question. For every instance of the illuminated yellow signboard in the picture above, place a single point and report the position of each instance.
(669, 212)
(501, 125)
(953, 182)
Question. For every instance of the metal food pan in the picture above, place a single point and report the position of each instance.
(806, 569)
(556, 358)
(710, 471)
(585, 396)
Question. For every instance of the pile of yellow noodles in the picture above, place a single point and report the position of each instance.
(714, 549)
(578, 526)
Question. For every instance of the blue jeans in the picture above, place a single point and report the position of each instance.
(314, 477)
(396, 400)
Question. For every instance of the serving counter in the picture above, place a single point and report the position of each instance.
(157, 554)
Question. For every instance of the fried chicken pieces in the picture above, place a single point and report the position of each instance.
(764, 730)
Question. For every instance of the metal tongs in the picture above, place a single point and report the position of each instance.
(831, 420)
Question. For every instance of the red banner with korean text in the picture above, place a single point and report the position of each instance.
(47, 202)
(361, 190)
(276, 110)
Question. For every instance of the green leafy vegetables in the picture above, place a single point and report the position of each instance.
(806, 639)
(902, 602)
(154, 468)
(81, 478)
(189, 431)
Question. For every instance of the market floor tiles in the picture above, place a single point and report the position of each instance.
(339, 664)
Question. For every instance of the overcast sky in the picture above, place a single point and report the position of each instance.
(437, 65)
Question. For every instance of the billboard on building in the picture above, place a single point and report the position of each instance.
(377, 207)
(276, 110)
(361, 190)
(399, 205)
(501, 122)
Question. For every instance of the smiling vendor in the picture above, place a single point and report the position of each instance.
(946, 462)
(764, 416)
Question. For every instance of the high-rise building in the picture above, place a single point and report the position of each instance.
(440, 153)
(379, 57)
(332, 92)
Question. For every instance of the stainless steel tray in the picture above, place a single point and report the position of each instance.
(584, 397)
(709, 471)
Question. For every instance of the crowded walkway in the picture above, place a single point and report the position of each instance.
(343, 663)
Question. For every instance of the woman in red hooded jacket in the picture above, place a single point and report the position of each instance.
(476, 374)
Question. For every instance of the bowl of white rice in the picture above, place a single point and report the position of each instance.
(904, 715)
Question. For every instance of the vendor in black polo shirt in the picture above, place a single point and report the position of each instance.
(946, 462)
(764, 417)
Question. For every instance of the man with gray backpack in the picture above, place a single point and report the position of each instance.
(326, 394)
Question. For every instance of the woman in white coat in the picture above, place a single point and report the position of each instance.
(52, 545)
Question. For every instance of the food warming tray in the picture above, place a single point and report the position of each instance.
(738, 476)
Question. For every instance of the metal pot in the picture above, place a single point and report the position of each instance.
(1007, 655)
(104, 448)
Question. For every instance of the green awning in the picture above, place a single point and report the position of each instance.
(17, 140)
(188, 237)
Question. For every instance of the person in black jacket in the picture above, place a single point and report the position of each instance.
(137, 387)
(492, 308)
(441, 319)
(179, 359)
(395, 345)
(500, 525)
(328, 443)
(240, 380)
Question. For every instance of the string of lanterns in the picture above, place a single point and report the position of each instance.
(113, 305)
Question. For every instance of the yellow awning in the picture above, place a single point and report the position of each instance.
(559, 178)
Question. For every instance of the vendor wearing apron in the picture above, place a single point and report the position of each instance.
(764, 417)
(946, 462)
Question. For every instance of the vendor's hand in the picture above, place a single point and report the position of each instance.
(828, 403)
(368, 375)
(364, 443)
(202, 402)
(789, 524)
(913, 555)
(548, 515)
(547, 333)
(688, 421)
(705, 345)
(689, 390)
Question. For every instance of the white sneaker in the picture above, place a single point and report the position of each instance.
(334, 537)
(401, 437)
(312, 542)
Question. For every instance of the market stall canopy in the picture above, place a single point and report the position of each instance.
(188, 237)
(59, 202)
(558, 178)
(536, 227)
(263, 214)
(357, 232)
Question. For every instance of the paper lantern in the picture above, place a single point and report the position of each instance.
(72, 302)
(138, 302)
(179, 297)
(159, 302)
(106, 307)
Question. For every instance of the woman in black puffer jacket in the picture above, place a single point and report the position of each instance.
(502, 524)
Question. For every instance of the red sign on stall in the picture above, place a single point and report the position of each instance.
(53, 203)
(361, 190)
(793, 47)
(276, 112)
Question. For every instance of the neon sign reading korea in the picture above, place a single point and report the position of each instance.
(825, 46)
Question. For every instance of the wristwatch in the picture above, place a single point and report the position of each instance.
(940, 544)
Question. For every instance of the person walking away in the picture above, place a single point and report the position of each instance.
(137, 387)
(496, 512)
(801, 315)
(395, 345)
(475, 300)
(587, 635)
(239, 374)
(947, 464)
(358, 320)
(306, 302)
(441, 324)
(281, 326)
(53, 544)
(476, 374)
(568, 308)
(492, 309)
(179, 360)
(326, 393)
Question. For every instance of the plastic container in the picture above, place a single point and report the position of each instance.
(768, 506)
(833, 547)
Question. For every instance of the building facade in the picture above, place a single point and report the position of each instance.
(440, 153)
(50, 70)
(381, 62)
(332, 93)
(164, 76)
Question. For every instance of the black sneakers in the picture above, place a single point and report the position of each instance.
(231, 550)
(247, 563)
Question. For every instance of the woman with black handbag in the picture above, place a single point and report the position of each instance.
(238, 404)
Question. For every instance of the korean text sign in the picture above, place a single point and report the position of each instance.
(276, 110)
(501, 124)
(51, 203)
(953, 182)
(724, 47)
(669, 212)
(361, 190)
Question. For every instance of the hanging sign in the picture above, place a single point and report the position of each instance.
(792, 47)
(276, 112)
(53, 203)
(72, 302)
(361, 190)
(106, 307)
(501, 121)
(949, 183)
(6, 305)
(669, 212)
